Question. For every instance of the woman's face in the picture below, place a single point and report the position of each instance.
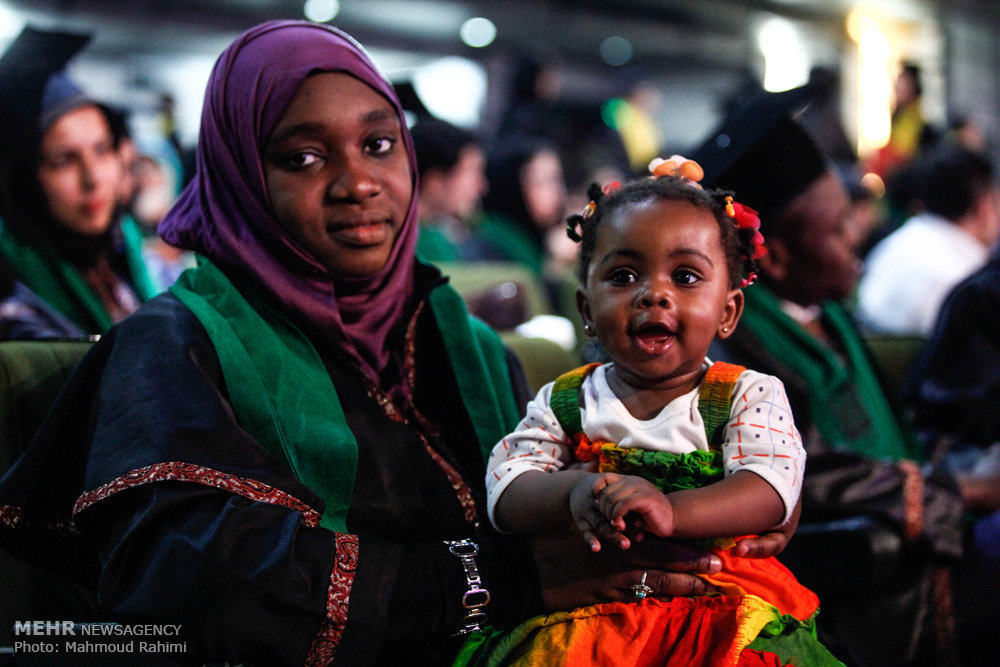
(80, 171)
(544, 189)
(337, 174)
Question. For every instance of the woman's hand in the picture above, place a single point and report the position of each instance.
(573, 576)
(769, 542)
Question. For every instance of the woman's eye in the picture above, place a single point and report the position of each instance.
(381, 146)
(301, 160)
(57, 161)
(623, 276)
(685, 277)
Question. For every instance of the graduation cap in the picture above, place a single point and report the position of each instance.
(32, 84)
(762, 153)
(410, 100)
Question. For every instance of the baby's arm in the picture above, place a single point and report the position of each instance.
(527, 480)
(536, 501)
(738, 505)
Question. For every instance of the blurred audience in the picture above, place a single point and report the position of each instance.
(908, 274)
(526, 201)
(954, 390)
(954, 394)
(157, 173)
(909, 133)
(452, 168)
(637, 124)
(61, 187)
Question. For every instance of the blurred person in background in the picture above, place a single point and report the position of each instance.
(452, 168)
(62, 179)
(910, 134)
(525, 202)
(908, 274)
(157, 175)
(954, 393)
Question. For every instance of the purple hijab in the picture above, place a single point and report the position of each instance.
(225, 214)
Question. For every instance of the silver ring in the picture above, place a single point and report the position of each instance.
(641, 590)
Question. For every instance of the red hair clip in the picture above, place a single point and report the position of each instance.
(747, 218)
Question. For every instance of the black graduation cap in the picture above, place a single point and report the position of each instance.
(28, 65)
(762, 153)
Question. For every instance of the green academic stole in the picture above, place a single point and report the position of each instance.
(848, 404)
(283, 396)
(61, 286)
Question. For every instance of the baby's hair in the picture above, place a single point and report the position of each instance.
(737, 243)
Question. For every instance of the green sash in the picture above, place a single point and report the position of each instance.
(283, 396)
(847, 402)
(61, 286)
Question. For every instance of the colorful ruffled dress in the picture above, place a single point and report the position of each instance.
(762, 615)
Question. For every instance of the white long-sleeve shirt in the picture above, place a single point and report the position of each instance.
(909, 273)
(760, 436)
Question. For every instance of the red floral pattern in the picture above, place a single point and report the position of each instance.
(16, 518)
(189, 472)
(338, 596)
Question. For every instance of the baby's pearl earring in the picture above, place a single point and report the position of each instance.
(587, 329)
(725, 329)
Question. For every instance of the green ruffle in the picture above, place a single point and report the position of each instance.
(668, 472)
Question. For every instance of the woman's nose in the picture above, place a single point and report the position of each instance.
(88, 174)
(355, 180)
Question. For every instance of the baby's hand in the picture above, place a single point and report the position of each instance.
(593, 525)
(626, 496)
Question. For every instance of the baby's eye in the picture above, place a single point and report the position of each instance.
(380, 146)
(623, 277)
(685, 277)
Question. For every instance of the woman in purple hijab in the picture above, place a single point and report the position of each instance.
(284, 455)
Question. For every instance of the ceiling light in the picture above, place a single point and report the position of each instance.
(478, 32)
(616, 50)
(321, 11)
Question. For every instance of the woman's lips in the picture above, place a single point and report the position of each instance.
(365, 230)
(93, 207)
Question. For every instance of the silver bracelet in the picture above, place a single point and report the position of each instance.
(477, 597)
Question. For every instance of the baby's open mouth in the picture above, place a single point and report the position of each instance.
(654, 338)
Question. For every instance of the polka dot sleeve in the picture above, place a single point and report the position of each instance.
(761, 436)
(538, 443)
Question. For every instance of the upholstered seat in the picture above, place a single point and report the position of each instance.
(31, 374)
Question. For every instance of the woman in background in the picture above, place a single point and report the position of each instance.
(61, 176)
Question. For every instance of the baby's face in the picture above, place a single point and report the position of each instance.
(657, 291)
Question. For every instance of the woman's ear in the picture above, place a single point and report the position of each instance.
(775, 263)
(583, 307)
(731, 315)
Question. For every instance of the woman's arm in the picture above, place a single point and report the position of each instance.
(216, 534)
